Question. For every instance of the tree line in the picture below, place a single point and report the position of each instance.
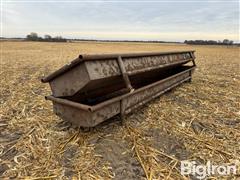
(47, 38)
(209, 42)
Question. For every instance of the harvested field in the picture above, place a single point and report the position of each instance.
(196, 121)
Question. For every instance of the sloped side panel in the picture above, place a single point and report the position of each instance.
(78, 117)
(154, 91)
(147, 63)
(70, 82)
(99, 69)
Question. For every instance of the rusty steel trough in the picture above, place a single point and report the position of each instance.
(94, 88)
(87, 72)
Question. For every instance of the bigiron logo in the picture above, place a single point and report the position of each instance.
(203, 171)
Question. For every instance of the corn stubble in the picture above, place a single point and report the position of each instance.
(196, 121)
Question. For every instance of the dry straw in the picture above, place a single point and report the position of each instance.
(196, 121)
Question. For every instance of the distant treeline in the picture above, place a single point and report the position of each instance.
(209, 42)
(47, 38)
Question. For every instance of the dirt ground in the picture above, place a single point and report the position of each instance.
(196, 121)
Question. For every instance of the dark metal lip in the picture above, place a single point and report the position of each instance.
(127, 55)
(86, 57)
(105, 103)
(69, 103)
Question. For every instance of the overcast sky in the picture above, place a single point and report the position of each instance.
(134, 20)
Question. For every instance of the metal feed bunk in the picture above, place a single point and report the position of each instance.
(94, 88)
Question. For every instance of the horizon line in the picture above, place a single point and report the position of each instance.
(123, 40)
